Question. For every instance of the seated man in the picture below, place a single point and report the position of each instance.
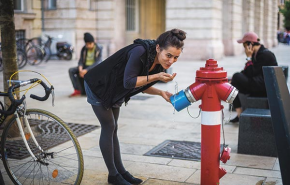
(251, 80)
(91, 55)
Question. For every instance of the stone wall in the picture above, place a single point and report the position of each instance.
(29, 19)
(69, 21)
(202, 20)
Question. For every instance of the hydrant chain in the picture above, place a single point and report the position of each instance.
(192, 116)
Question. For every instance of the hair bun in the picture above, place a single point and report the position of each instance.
(181, 35)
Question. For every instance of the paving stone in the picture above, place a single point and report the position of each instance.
(88, 142)
(257, 172)
(273, 181)
(276, 166)
(251, 161)
(196, 165)
(228, 179)
(163, 182)
(146, 159)
(161, 171)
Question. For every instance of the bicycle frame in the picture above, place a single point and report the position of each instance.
(3, 118)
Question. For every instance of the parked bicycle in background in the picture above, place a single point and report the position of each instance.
(44, 52)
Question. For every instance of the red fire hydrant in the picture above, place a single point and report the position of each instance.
(211, 87)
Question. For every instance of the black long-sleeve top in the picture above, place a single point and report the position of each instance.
(254, 70)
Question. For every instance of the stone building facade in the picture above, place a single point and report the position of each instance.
(212, 26)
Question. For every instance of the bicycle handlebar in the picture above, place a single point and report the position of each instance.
(47, 92)
(15, 103)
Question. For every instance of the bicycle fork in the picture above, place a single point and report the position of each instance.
(31, 135)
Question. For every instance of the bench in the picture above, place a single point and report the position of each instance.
(256, 136)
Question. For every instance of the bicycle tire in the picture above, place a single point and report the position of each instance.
(34, 55)
(21, 58)
(51, 166)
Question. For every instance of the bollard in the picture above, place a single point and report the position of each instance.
(211, 86)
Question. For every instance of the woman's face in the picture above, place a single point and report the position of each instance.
(167, 57)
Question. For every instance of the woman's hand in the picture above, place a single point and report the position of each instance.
(165, 77)
(166, 95)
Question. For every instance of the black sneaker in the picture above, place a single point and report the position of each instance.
(128, 177)
(117, 180)
(236, 119)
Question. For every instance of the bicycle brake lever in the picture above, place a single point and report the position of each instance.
(52, 98)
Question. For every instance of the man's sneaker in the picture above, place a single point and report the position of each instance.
(117, 180)
(133, 180)
(75, 93)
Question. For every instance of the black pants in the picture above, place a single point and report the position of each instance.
(242, 83)
(77, 81)
(109, 142)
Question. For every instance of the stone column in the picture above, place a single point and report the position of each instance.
(268, 24)
(259, 19)
(105, 25)
(202, 20)
(275, 22)
(119, 25)
(232, 26)
(85, 21)
(248, 16)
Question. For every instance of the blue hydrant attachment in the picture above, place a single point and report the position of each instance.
(180, 101)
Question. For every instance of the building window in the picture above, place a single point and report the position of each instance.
(132, 15)
(18, 5)
(282, 1)
(51, 4)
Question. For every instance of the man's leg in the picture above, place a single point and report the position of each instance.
(73, 74)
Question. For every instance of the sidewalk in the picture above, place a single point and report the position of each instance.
(143, 124)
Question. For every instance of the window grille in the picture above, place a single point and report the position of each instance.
(131, 15)
(20, 34)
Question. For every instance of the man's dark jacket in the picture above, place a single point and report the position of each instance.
(106, 79)
(264, 57)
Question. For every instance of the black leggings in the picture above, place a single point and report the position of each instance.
(242, 83)
(109, 142)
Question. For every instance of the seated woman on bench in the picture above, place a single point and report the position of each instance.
(251, 80)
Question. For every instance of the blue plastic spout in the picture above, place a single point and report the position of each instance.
(179, 101)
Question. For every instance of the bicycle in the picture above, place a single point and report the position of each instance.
(36, 145)
(21, 58)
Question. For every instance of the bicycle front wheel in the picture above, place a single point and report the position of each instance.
(59, 162)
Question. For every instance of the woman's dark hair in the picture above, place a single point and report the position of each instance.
(173, 38)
